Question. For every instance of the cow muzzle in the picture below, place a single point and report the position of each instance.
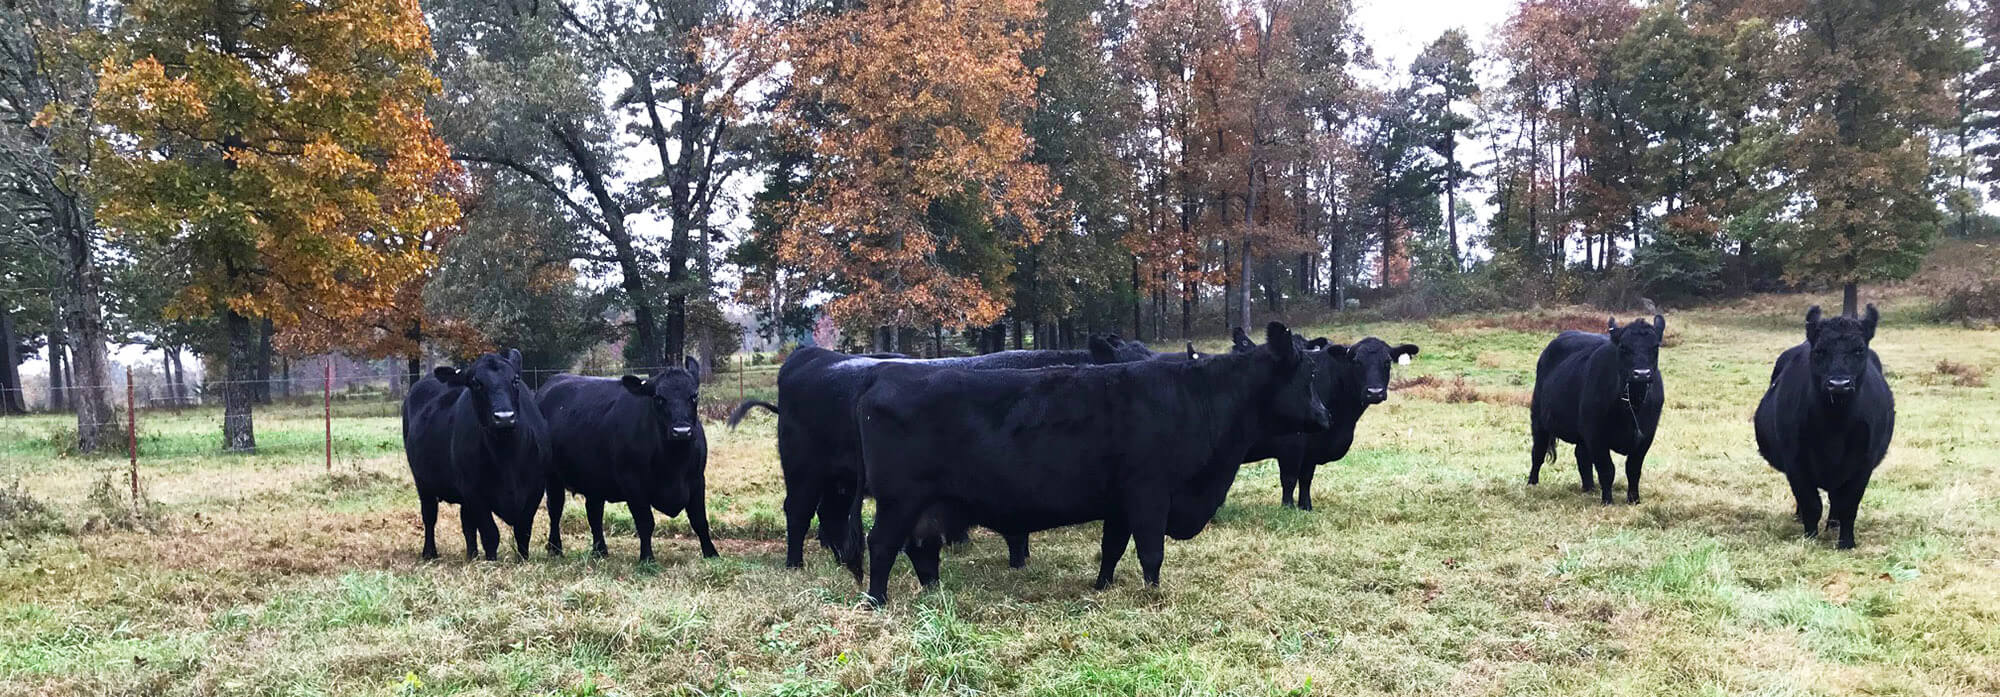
(681, 432)
(1376, 395)
(503, 419)
(1640, 376)
(1840, 387)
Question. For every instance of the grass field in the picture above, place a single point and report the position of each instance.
(1430, 566)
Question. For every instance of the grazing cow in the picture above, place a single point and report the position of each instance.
(1602, 392)
(475, 437)
(1350, 379)
(1827, 417)
(631, 440)
(819, 446)
(1148, 447)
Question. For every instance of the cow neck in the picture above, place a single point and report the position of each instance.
(1229, 394)
(1341, 399)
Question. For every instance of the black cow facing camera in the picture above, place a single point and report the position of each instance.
(1348, 380)
(1826, 420)
(1602, 392)
(475, 437)
(634, 440)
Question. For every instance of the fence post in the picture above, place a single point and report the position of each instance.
(741, 365)
(132, 436)
(329, 414)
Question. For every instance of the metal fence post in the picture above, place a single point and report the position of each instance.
(329, 414)
(132, 436)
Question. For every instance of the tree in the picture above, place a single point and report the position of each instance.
(282, 150)
(1866, 84)
(47, 98)
(910, 106)
(1443, 80)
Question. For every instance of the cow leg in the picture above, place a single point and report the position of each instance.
(430, 508)
(839, 521)
(1149, 537)
(1540, 453)
(924, 554)
(1583, 470)
(1288, 477)
(489, 535)
(893, 523)
(468, 521)
(1634, 464)
(1017, 551)
(1306, 471)
(697, 513)
(1807, 497)
(801, 499)
(1845, 503)
(524, 531)
(642, 522)
(593, 508)
(1116, 535)
(1607, 472)
(556, 501)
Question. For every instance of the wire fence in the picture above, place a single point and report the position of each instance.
(341, 416)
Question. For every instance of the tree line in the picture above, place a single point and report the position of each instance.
(242, 181)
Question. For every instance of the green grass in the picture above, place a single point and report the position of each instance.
(1430, 566)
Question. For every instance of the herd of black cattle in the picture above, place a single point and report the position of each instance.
(1022, 441)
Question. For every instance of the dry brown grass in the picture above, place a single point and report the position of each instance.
(1461, 391)
(1961, 374)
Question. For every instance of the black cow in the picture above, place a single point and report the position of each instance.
(1148, 447)
(819, 446)
(1603, 393)
(631, 440)
(1350, 379)
(1826, 420)
(475, 437)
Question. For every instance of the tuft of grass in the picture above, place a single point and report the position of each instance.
(22, 515)
(1961, 374)
(111, 507)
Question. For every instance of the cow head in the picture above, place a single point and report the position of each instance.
(494, 382)
(673, 394)
(1368, 361)
(1839, 351)
(1638, 349)
(1296, 405)
(1106, 349)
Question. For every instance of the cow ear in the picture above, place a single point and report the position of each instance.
(514, 357)
(1239, 339)
(1660, 325)
(636, 385)
(1612, 325)
(1868, 322)
(693, 367)
(1191, 353)
(447, 375)
(1403, 351)
(1280, 340)
(1318, 344)
(1812, 324)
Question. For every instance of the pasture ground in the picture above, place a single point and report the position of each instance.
(1431, 567)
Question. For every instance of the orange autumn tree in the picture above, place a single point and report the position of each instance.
(281, 147)
(919, 185)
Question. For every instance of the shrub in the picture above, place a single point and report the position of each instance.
(1674, 271)
(1961, 374)
(110, 510)
(1975, 304)
(21, 515)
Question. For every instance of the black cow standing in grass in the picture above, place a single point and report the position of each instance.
(634, 440)
(1149, 447)
(475, 437)
(1350, 379)
(1826, 420)
(819, 444)
(1602, 392)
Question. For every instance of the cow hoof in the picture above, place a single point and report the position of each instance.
(1021, 563)
(1305, 506)
(1844, 544)
(1102, 584)
(556, 552)
(1533, 480)
(600, 553)
(709, 554)
(875, 602)
(1631, 499)
(430, 555)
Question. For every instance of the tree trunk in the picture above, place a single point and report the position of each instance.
(1228, 287)
(1016, 338)
(1850, 300)
(11, 401)
(708, 352)
(1138, 326)
(58, 358)
(645, 325)
(238, 429)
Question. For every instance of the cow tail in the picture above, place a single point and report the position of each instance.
(850, 544)
(745, 407)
